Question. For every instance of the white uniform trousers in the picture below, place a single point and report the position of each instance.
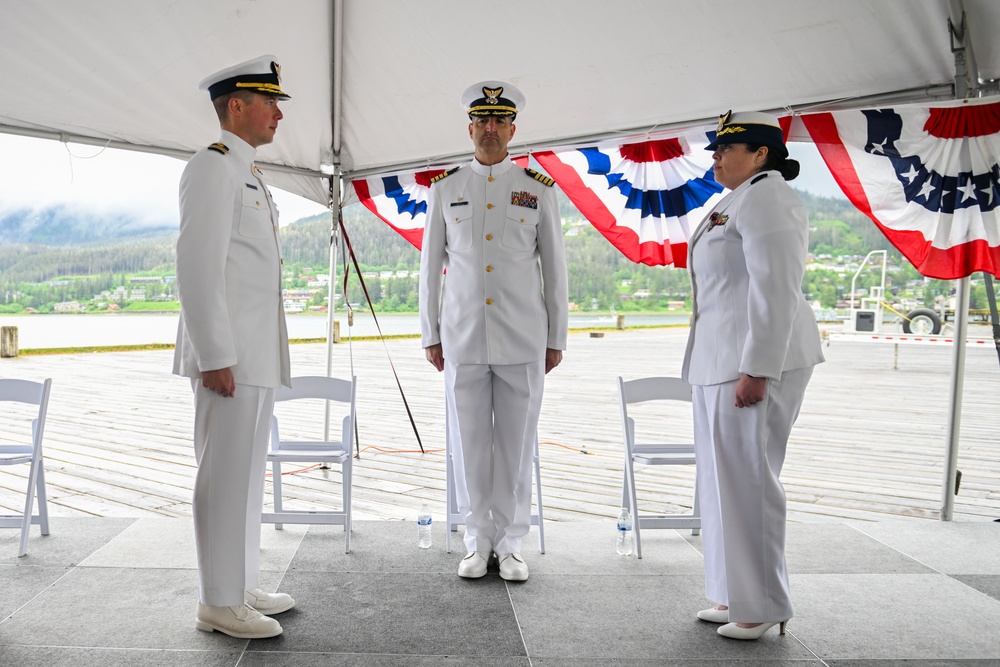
(739, 454)
(492, 414)
(230, 444)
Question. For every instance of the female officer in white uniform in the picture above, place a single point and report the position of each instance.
(750, 354)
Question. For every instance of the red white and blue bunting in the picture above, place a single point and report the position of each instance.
(926, 176)
(400, 200)
(645, 198)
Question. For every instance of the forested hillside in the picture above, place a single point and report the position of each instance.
(307, 241)
(37, 276)
(37, 263)
(837, 228)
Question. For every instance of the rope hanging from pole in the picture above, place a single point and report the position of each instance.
(371, 307)
(991, 297)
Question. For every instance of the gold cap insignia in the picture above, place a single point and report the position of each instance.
(723, 119)
(492, 94)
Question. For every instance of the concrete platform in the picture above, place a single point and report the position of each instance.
(122, 591)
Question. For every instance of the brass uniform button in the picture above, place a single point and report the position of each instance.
(456, 219)
(258, 203)
(282, 261)
(489, 237)
(489, 268)
(489, 206)
(522, 219)
(490, 179)
(489, 302)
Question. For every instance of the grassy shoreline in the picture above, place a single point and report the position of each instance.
(47, 351)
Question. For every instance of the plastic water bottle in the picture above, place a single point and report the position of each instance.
(424, 528)
(624, 533)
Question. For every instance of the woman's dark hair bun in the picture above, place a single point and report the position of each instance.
(788, 168)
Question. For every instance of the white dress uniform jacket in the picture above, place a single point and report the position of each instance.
(229, 270)
(749, 314)
(505, 299)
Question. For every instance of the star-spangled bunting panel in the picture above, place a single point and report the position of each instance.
(400, 200)
(927, 176)
(645, 198)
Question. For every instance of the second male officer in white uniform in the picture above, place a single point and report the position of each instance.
(232, 343)
(495, 324)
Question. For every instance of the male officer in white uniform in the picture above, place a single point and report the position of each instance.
(232, 343)
(495, 324)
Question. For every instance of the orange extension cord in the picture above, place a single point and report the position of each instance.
(429, 451)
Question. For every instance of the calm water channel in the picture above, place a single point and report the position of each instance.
(76, 330)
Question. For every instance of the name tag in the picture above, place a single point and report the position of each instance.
(459, 203)
(251, 186)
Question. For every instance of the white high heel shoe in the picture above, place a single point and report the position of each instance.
(714, 615)
(734, 631)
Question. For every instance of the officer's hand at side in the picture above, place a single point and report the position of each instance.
(552, 358)
(435, 355)
(750, 391)
(220, 381)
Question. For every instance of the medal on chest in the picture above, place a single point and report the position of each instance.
(524, 198)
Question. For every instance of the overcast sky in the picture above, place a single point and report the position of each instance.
(41, 173)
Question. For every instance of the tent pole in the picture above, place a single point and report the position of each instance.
(966, 85)
(336, 93)
(966, 69)
(332, 288)
(955, 401)
(336, 85)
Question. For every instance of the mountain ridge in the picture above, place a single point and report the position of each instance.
(61, 226)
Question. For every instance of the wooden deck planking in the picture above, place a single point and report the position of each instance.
(869, 443)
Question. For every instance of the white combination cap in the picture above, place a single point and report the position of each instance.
(492, 98)
(260, 75)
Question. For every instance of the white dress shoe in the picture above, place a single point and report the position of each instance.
(714, 615)
(241, 621)
(473, 566)
(269, 603)
(734, 631)
(513, 567)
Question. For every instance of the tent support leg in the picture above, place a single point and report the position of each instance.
(331, 294)
(955, 400)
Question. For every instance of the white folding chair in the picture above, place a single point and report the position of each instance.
(314, 451)
(640, 391)
(454, 519)
(31, 393)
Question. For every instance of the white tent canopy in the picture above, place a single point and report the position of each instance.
(375, 83)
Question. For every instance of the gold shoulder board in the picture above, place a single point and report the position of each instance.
(219, 148)
(541, 178)
(443, 175)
